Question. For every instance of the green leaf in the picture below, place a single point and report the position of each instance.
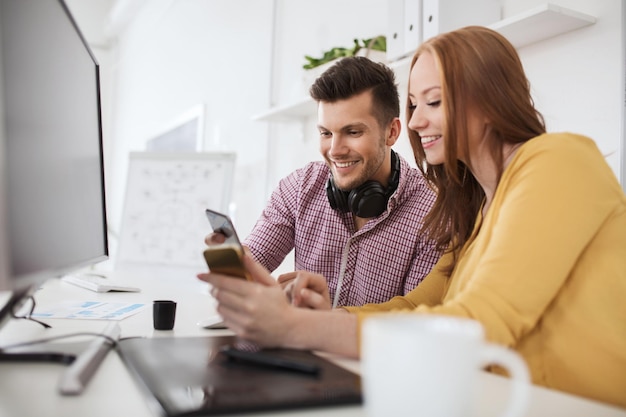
(378, 43)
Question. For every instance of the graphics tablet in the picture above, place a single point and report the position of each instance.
(196, 376)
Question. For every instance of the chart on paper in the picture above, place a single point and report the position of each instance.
(163, 220)
(88, 310)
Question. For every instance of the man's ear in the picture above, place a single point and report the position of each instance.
(393, 131)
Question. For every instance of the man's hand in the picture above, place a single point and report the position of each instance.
(214, 239)
(286, 278)
(307, 290)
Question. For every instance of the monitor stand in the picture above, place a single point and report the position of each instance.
(16, 300)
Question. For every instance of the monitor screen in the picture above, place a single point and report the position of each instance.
(52, 203)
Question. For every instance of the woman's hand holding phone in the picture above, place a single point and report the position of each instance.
(224, 253)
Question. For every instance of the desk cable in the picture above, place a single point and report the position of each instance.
(81, 368)
(76, 377)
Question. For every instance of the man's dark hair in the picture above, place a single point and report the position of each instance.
(354, 75)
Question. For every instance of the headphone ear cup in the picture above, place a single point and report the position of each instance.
(336, 197)
(395, 175)
(368, 200)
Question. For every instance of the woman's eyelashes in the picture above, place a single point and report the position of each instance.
(430, 103)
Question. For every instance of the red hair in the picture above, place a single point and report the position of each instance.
(481, 70)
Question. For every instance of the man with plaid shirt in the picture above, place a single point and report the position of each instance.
(356, 217)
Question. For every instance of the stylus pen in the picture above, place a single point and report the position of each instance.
(37, 357)
(79, 373)
(267, 359)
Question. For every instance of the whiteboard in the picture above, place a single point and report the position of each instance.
(163, 221)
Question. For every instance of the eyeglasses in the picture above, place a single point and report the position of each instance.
(29, 314)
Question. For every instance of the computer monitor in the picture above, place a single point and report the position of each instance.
(52, 201)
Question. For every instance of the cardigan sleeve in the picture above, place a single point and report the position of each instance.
(550, 203)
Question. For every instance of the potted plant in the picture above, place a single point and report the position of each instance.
(373, 48)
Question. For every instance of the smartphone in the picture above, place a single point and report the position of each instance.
(225, 258)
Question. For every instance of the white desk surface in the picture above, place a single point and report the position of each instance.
(30, 389)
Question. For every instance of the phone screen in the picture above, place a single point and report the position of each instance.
(220, 223)
(226, 257)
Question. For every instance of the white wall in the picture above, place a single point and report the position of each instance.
(167, 56)
(310, 28)
(576, 76)
(173, 56)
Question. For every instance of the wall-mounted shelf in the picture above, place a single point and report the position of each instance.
(304, 107)
(540, 23)
(534, 25)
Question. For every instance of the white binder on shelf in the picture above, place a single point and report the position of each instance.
(412, 25)
(404, 30)
(440, 16)
(395, 30)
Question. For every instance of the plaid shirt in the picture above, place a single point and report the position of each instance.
(385, 258)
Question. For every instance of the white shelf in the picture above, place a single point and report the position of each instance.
(304, 107)
(534, 25)
(540, 23)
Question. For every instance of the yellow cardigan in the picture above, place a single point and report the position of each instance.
(545, 272)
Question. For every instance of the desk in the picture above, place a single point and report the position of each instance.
(29, 389)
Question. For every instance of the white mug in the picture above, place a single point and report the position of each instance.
(429, 365)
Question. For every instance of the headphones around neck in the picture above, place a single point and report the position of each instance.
(368, 199)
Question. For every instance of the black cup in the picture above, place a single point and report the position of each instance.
(164, 314)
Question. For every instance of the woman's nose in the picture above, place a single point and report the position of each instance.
(417, 120)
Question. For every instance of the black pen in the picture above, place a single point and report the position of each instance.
(266, 358)
(64, 358)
